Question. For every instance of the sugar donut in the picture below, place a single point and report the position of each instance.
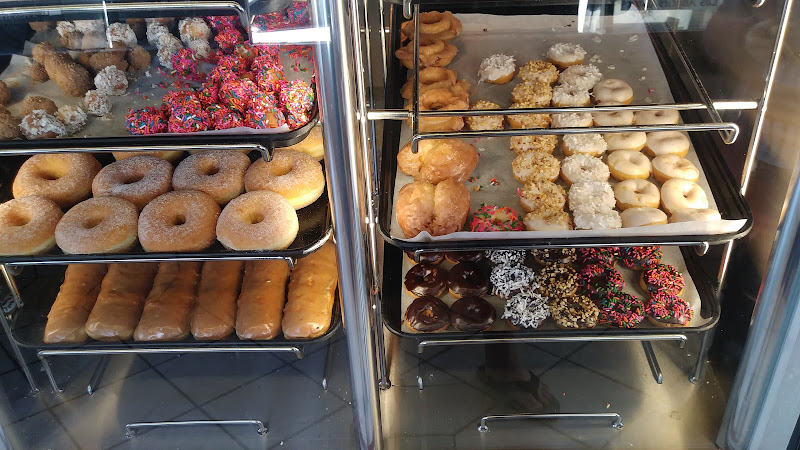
(432, 52)
(138, 179)
(628, 164)
(435, 25)
(612, 90)
(179, 221)
(642, 217)
(581, 76)
(171, 156)
(476, 123)
(295, 175)
(313, 144)
(439, 209)
(441, 100)
(547, 220)
(564, 55)
(98, 225)
(536, 92)
(679, 194)
(666, 143)
(65, 178)
(582, 167)
(572, 120)
(692, 215)
(568, 95)
(258, 220)
(636, 194)
(539, 71)
(657, 117)
(666, 167)
(497, 69)
(542, 194)
(527, 120)
(612, 118)
(535, 143)
(218, 173)
(633, 140)
(438, 159)
(589, 144)
(28, 225)
(535, 166)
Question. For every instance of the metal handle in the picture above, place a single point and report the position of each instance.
(616, 419)
(266, 152)
(130, 429)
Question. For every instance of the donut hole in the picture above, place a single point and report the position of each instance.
(178, 220)
(18, 220)
(50, 173)
(281, 169)
(132, 178)
(92, 221)
(254, 218)
(210, 168)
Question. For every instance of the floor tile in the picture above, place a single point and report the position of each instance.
(514, 434)
(338, 374)
(17, 400)
(419, 442)
(41, 430)
(560, 349)
(334, 431)
(628, 365)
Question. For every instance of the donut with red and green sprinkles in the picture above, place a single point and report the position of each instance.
(638, 258)
(594, 255)
(495, 218)
(148, 120)
(623, 310)
(601, 281)
(669, 309)
(664, 278)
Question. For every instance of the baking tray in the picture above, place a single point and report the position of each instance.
(707, 315)
(314, 220)
(39, 287)
(720, 181)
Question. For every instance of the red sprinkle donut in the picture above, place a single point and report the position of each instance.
(623, 310)
(638, 258)
(601, 281)
(668, 310)
(662, 277)
(495, 218)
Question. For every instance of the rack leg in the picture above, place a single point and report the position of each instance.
(420, 371)
(97, 375)
(326, 367)
(652, 360)
(49, 372)
(8, 274)
(380, 348)
(705, 344)
(17, 352)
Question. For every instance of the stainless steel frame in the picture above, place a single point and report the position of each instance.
(616, 419)
(130, 429)
(266, 152)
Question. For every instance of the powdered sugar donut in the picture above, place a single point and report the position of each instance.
(121, 34)
(497, 69)
(572, 120)
(72, 117)
(259, 220)
(138, 179)
(193, 28)
(28, 225)
(218, 173)
(97, 103)
(583, 167)
(111, 81)
(40, 125)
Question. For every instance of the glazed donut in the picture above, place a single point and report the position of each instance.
(564, 55)
(432, 52)
(591, 144)
(692, 215)
(572, 120)
(633, 140)
(439, 209)
(476, 123)
(582, 167)
(495, 218)
(581, 76)
(138, 179)
(98, 225)
(436, 78)
(258, 220)
(666, 167)
(569, 95)
(612, 118)
(527, 120)
(438, 159)
(541, 143)
(539, 71)
(65, 178)
(612, 90)
(641, 217)
(171, 156)
(547, 220)
(657, 117)
(628, 165)
(535, 92)
(666, 143)
(542, 194)
(178, 221)
(533, 166)
(218, 173)
(636, 193)
(497, 69)
(28, 225)
(440, 100)
(295, 175)
(433, 24)
(679, 194)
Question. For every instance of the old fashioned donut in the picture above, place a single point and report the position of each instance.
(98, 225)
(171, 156)
(138, 179)
(612, 90)
(679, 194)
(666, 167)
(439, 209)
(612, 118)
(547, 220)
(588, 144)
(527, 120)
(218, 173)
(657, 117)
(438, 159)
(178, 221)
(28, 225)
(582, 167)
(642, 217)
(633, 140)
(666, 143)
(636, 193)
(436, 78)
(693, 215)
(628, 165)
(432, 52)
(65, 178)
(564, 55)
(441, 100)
(258, 220)
(476, 123)
(538, 70)
(295, 175)
(497, 69)
(433, 24)
(532, 166)
(541, 195)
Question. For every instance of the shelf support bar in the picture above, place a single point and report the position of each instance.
(130, 429)
(266, 152)
(652, 361)
(97, 375)
(705, 344)
(616, 419)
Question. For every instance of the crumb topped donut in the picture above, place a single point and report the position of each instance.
(218, 173)
(179, 221)
(542, 194)
(138, 179)
(28, 225)
(476, 123)
(497, 69)
(98, 225)
(564, 55)
(65, 178)
(295, 175)
(539, 71)
(258, 220)
(536, 92)
(541, 143)
(527, 120)
(535, 166)
(612, 90)
(547, 220)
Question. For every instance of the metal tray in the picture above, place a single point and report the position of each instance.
(39, 287)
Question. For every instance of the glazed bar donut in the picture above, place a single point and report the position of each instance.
(439, 209)
(438, 159)
(138, 179)
(612, 90)
(28, 225)
(294, 175)
(633, 140)
(178, 221)
(666, 167)
(258, 220)
(433, 24)
(432, 52)
(218, 173)
(628, 165)
(657, 117)
(65, 178)
(98, 225)
(642, 217)
(679, 194)
(440, 100)
(692, 215)
(636, 193)
(667, 143)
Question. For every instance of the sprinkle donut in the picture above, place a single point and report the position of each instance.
(601, 280)
(495, 218)
(178, 221)
(662, 277)
(218, 173)
(260, 220)
(98, 225)
(138, 179)
(668, 310)
(65, 178)
(623, 310)
(28, 225)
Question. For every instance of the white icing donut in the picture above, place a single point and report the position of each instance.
(680, 194)
(612, 90)
(580, 76)
(547, 220)
(581, 167)
(642, 217)
(590, 144)
(667, 143)
(591, 195)
(597, 220)
(657, 117)
(567, 95)
(628, 164)
(571, 120)
(666, 167)
(564, 55)
(612, 118)
(633, 140)
(497, 69)
(692, 215)
(636, 194)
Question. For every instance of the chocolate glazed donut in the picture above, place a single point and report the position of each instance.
(426, 257)
(426, 279)
(466, 279)
(427, 314)
(459, 257)
(472, 314)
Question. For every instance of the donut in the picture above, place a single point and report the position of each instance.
(612, 90)
(218, 173)
(633, 140)
(636, 194)
(122, 34)
(581, 76)
(137, 180)
(590, 144)
(65, 178)
(171, 155)
(564, 55)
(459, 257)
(666, 167)
(612, 118)
(628, 165)
(436, 78)
(591, 195)
(425, 257)
(571, 120)
(28, 225)
(539, 71)
(542, 219)
(466, 279)
(667, 143)
(295, 175)
(527, 120)
(598, 219)
(433, 24)
(692, 215)
(178, 221)
(97, 103)
(497, 69)
(536, 92)
(542, 195)
(509, 280)
(472, 314)
(441, 100)
(111, 81)
(582, 167)
(438, 159)
(147, 120)
(427, 315)
(541, 143)
(432, 52)
(598, 255)
(425, 279)
(535, 166)
(600, 280)
(642, 217)
(438, 209)
(623, 310)
(98, 225)
(495, 218)
(679, 194)
(639, 258)
(259, 220)
(476, 123)
(662, 278)
(557, 281)
(668, 310)
(526, 310)
(40, 125)
(313, 144)
(576, 312)
(193, 28)
(505, 256)
(657, 117)
(34, 102)
(568, 95)
(72, 117)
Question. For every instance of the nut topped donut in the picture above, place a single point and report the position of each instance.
(65, 178)
(258, 220)
(138, 179)
(28, 225)
(98, 225)
(294, 175)
(178, 221)
(218, 173)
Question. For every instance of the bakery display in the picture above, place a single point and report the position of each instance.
(74, 303)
